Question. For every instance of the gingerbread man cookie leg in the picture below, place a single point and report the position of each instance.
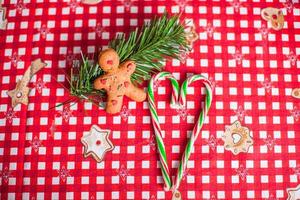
(114, 104)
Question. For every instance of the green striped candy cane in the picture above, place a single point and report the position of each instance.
(177, 100)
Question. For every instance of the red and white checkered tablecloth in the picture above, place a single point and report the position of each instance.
(253, 69)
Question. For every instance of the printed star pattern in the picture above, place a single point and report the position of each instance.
(97, 143)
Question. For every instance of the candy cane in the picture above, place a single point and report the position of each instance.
(161, 147)
(208, 99)
(175, 102)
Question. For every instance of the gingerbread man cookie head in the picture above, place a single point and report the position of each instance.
(109, 60)
(116, 81)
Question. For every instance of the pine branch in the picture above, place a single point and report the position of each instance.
(163, 38)
(82, 78)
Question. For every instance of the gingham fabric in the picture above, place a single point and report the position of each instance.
(253, 69)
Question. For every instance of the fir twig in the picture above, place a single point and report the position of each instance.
(81, 81)
(162, 38)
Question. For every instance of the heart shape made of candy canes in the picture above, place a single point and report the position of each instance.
(178, 98)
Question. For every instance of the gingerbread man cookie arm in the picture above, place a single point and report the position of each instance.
(102, 82)
(128, 67)
(135, 93)
(114, 103)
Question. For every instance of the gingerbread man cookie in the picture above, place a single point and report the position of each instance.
(116, 81)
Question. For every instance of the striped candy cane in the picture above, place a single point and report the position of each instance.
(175, 101)
(158, 134)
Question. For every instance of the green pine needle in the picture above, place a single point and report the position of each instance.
(81, 83)
(162, 38)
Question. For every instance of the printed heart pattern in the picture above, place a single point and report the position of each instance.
(177, 100)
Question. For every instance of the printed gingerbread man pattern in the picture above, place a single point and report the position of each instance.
(116, 81)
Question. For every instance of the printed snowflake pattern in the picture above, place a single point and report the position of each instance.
(14, 59)
(264, 31)
(73, 4)
(212, 142)
(236, 4)
(63, 173)
(212, 197)
(152, 197)
(32, 197)
(66, 113)
(297, 171)
(238, 57)
(270, 142)
(10, 114)
(40, 85)
(35, 144)
(210, 30)
(267, 84)
(6, 174)
(295, 113)
(20, 6)
(182, 112)
(185, 174)
(213, 82)
(70, 57)
(92, 197)
(271, 197)
(156, 85)
(123, 172)
(152, 143)
(292, 57)
(44, 30)
(182, 4)
(240, 113)
(289, 6)
(242, 172)
(125, 113)
(99, 29)
(127, 4)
